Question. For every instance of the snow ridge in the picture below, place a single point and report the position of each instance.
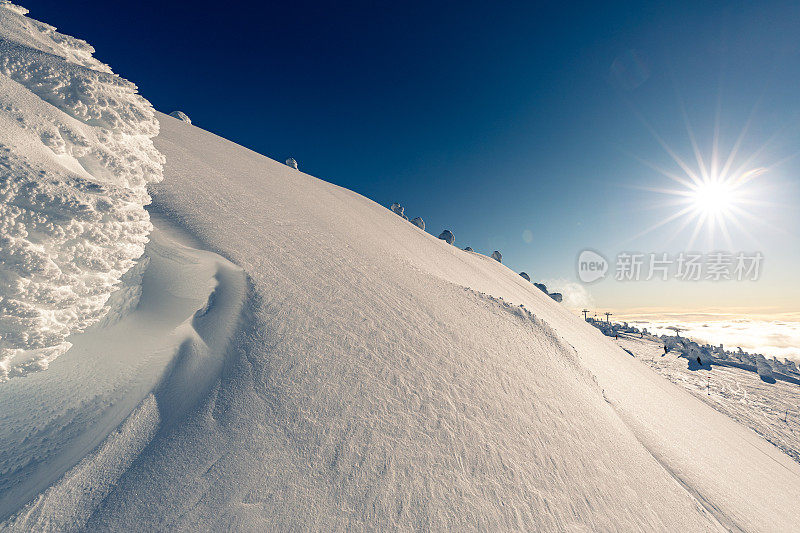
(76, 155)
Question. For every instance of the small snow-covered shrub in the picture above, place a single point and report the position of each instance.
(398, 210)
(418, 222)
(763, 368)
(542, 287)
(180, 115)
(525, 275)
(447, 236)
(674, 344)
(468, 249)
(497, 256)
(706, 355)
(557, 296)
(291, 163)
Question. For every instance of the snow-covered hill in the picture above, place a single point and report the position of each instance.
(366, 376)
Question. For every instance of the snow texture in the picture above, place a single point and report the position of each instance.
(76, 155)
(180, 115)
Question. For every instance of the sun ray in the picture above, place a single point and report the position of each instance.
(698, 226)
(715, 138)
(667, 174)
(723, 226)
(675, 157)
(761, 222)
(690, 132)
(741, 227)
(663, 190)
(659, 224)
(738, 144)
(686, 221)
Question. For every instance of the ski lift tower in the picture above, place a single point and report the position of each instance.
(676, 329)
(608, 315)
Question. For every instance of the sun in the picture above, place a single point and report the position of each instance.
(713, 198)
(715, 193)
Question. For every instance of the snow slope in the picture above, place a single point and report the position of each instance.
(371, 388)
(366, 376)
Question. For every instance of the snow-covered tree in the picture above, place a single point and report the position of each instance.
(706, 355)
(398, 210)
(468, 249)
(291, 163)
(763, 368)
(497, 256)
(180, 115)
(447, 236)
(525, 275)
(418, 222)
(777, 366)
(542, 287)
(557, 296)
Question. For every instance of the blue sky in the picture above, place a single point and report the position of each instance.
(491, 119)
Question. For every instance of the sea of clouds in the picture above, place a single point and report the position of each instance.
(771, 336)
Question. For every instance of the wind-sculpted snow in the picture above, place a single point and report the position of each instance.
(76, 154)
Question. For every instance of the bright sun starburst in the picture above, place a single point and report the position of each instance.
(714, 195)
(713, 198)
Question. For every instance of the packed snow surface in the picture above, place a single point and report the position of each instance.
(76, 155)
(342, 370)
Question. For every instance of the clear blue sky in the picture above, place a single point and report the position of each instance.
(492, 118)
